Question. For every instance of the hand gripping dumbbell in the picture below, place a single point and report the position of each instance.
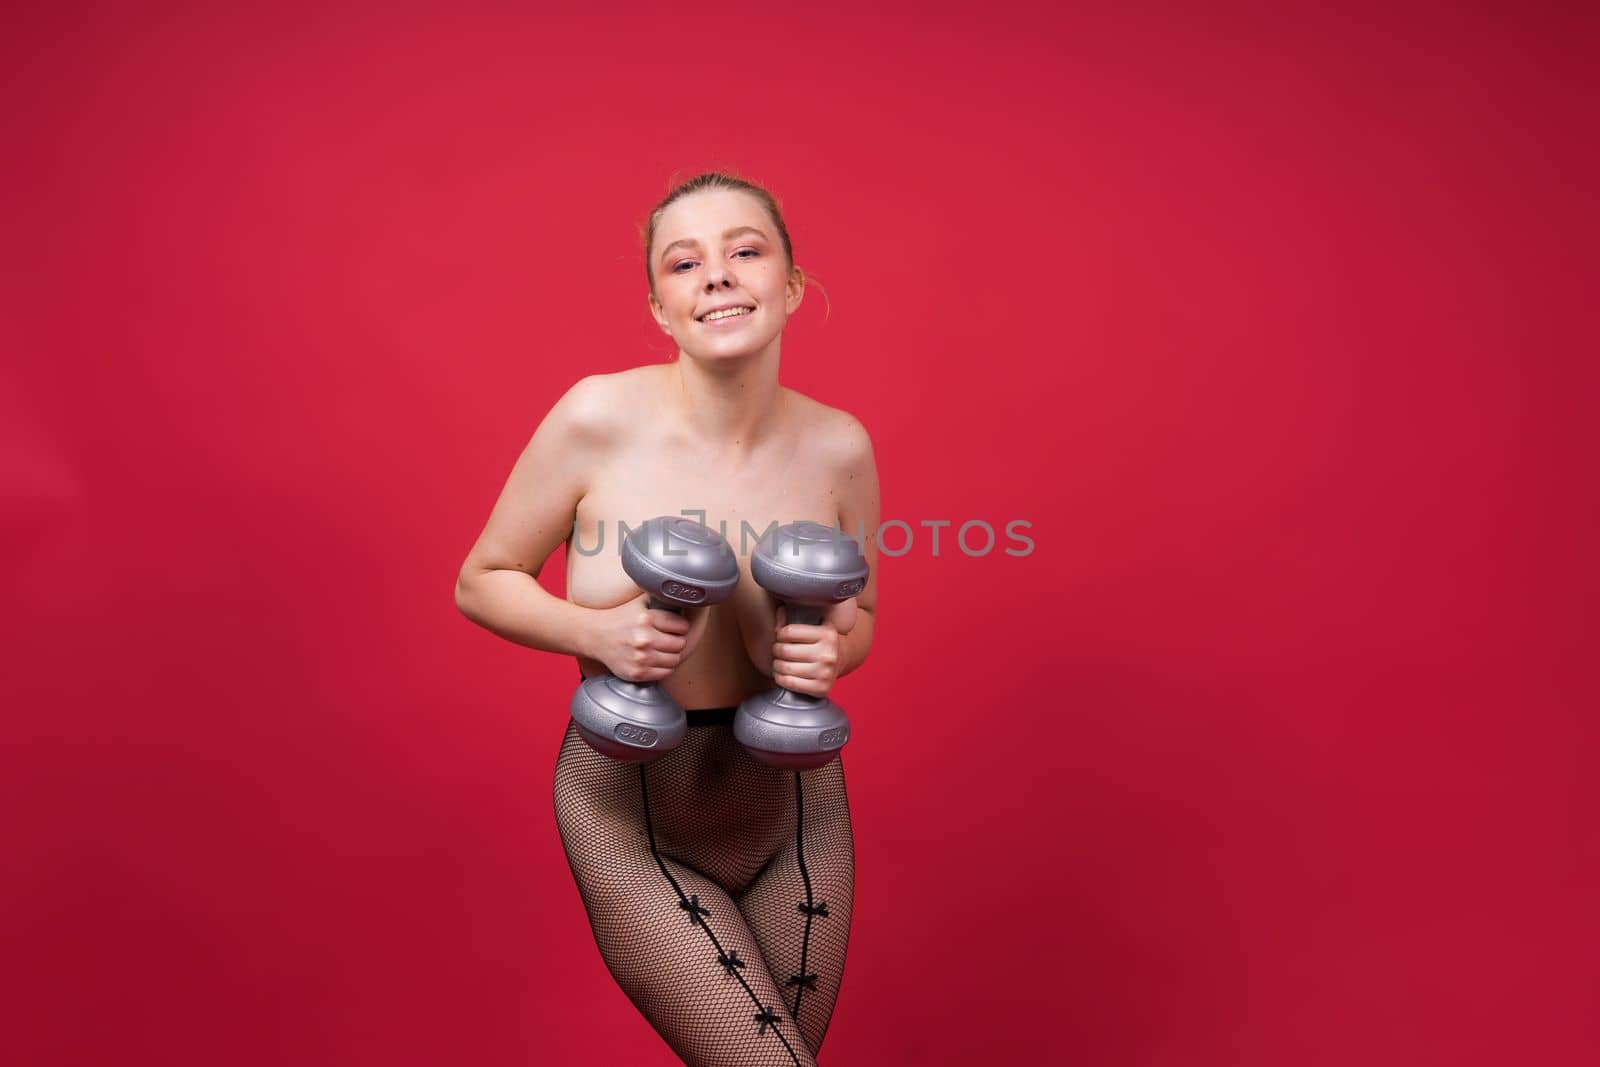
(807, 566)
(681, 564)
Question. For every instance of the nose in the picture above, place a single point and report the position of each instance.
(718, 276)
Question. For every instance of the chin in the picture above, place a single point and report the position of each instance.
(732, 350)
(719, 355)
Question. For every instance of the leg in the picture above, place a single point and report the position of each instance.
(799, 907)
(672, 937)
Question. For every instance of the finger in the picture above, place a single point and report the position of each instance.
(802, 633)
(796, 684)
(647, 639)
(666, 642)
(796, 652)
(660, 658)
(639, 673)
(799, 669)
(668, 621)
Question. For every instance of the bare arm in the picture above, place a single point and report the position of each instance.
(808, 659)
(859, 510)
(497, 587)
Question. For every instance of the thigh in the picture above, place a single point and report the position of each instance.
(672, 938)
(799, 907)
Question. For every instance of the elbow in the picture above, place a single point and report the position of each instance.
(465, 600)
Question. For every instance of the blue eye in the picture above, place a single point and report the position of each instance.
(682, 263)
(742, 251)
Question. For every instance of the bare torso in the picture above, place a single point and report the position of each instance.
(655, 468)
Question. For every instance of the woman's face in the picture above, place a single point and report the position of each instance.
(713, 250)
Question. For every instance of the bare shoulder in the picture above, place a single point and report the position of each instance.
(839, 435)
(600, 408)
(549, 480)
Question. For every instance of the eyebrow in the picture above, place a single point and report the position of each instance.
(727, 234)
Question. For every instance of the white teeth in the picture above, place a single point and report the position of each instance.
(725, 313)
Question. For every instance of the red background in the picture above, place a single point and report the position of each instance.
(1273, 751)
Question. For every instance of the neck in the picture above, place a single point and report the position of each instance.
(728, 402)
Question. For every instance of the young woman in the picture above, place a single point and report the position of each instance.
(719, 887)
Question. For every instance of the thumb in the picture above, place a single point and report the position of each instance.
(842, 616)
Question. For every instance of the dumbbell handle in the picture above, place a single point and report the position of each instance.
(803, 614)
(660, 605)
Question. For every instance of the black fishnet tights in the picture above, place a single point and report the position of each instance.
(719, 890)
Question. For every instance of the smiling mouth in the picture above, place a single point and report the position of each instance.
(727, 313)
